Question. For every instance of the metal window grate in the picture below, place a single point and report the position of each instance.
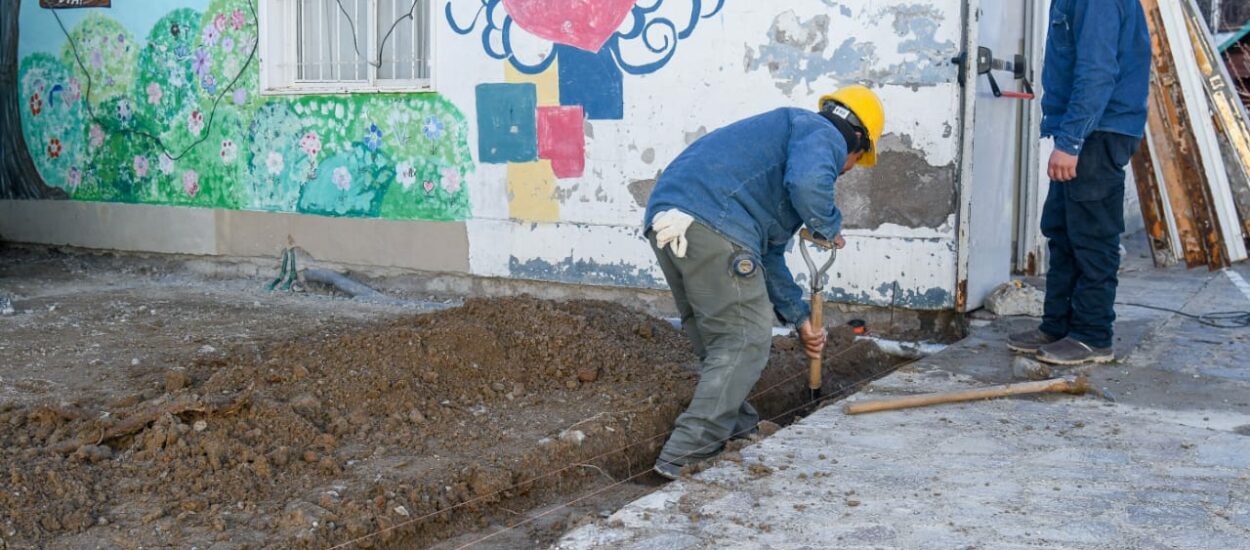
(362, 41)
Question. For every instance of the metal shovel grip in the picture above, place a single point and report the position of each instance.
(817, 273)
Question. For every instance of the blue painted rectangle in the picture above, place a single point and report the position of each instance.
(507, 123)
(593, 81)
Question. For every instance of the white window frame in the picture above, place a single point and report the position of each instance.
(278, 36)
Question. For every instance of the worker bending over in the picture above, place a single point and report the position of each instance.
(719, 221)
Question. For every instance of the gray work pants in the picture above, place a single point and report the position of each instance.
(728, 319)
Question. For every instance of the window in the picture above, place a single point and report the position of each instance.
(345, 46)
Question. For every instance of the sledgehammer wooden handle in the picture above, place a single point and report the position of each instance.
(1056, 385)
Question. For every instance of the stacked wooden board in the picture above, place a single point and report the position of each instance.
(1193, 175)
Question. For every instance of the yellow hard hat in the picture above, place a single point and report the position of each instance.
(867, 107)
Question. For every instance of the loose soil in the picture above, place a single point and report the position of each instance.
(409, 431)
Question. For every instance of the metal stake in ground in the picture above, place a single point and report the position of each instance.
(814, 381)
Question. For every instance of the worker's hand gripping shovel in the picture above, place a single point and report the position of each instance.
(806, 238)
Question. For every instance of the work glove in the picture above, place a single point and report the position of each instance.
(670, 230)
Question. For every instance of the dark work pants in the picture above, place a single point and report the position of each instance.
(1083, 219)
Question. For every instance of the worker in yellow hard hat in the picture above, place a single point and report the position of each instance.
(719, 221)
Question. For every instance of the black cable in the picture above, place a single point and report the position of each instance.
(381, 44)
(1218, 319)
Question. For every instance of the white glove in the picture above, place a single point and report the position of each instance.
(670, 230)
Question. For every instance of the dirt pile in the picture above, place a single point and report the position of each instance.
(424, 428)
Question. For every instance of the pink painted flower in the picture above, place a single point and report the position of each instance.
(154, 93)
(237, 20)
(97, 135)
(342, 178)
(190, 183)
(311, 144)
(451, 180)
(74, 177)
(141, 166)
(195, 123)
(406, 174)
(220, 22)
(429, 186)
(275, 163)
(75, 91)
(229, 151)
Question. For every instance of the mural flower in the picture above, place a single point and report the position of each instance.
(274, 163)
(74, 177)
(220, 22)
(190, 183)
(429, 186)
(203, 62)
(141, 166)
(311, 144)
(211, 34)
(74, 92)
(227, 44)
(195, 123)
(124, 110)
(342, 178)
(175, 30)
(96, 135)
(406, 175)
(240, 96)
(229, 151)
(209, 83)
(373, 137)
(433, 128)
(54, 148)
(97, 59)
(36, 104)
(166, 164)
(237, 20)
(154, 93)
(451, 180)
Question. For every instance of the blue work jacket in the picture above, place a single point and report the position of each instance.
(1097, 71)
(756, 182)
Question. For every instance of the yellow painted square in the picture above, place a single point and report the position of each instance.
(547, 82)
(532, 192)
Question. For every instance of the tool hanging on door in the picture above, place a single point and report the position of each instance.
(987, 63)
(814, 381)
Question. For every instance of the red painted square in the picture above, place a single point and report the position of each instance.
(562, 140)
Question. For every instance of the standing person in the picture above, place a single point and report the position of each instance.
(719, 220)
(1096, 77)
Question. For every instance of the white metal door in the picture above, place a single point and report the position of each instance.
(998, 134)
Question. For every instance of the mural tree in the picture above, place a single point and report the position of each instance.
(19, 179)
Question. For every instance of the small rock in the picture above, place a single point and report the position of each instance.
(518, 389)
(6, 306)
(852, 502)
(176, 380)
(498, 386)
(310, 456)
(1027, 369)
(298, 372)
(645, 330)
(1015, 298)
(401, 510)
(575, 437)
(306, 405)
(281, 456)
(200, 425)
(415, 416)
(94, 453)
(134, 362)
(571, 384)
(588, 374)
(207, 349)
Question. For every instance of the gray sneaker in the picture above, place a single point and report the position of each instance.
(1029, 341)
(1070, 351)
(667, 469)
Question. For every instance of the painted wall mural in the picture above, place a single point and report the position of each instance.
(565, 62)
(175, 120)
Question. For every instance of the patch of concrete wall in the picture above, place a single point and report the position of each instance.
(902, 189)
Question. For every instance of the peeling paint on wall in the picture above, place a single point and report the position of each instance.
(933, 298)
(583, 271)
(902, 189)
(798, 50)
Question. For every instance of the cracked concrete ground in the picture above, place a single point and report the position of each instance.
(1165, 466)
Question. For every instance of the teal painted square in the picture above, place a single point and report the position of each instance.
(506, 123)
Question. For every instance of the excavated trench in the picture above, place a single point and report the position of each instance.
(441, 429)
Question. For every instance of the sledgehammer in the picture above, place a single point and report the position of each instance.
(1074, 385)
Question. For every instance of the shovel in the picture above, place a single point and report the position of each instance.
(814, 381)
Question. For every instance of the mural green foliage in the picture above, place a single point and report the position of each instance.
(168, 127)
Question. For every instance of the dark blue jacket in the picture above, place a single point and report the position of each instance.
(756, 182)
(1097, 71)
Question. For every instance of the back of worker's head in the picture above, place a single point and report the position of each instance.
(858, 115)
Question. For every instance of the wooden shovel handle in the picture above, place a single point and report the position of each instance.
(818, 323)
(1068, 385)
